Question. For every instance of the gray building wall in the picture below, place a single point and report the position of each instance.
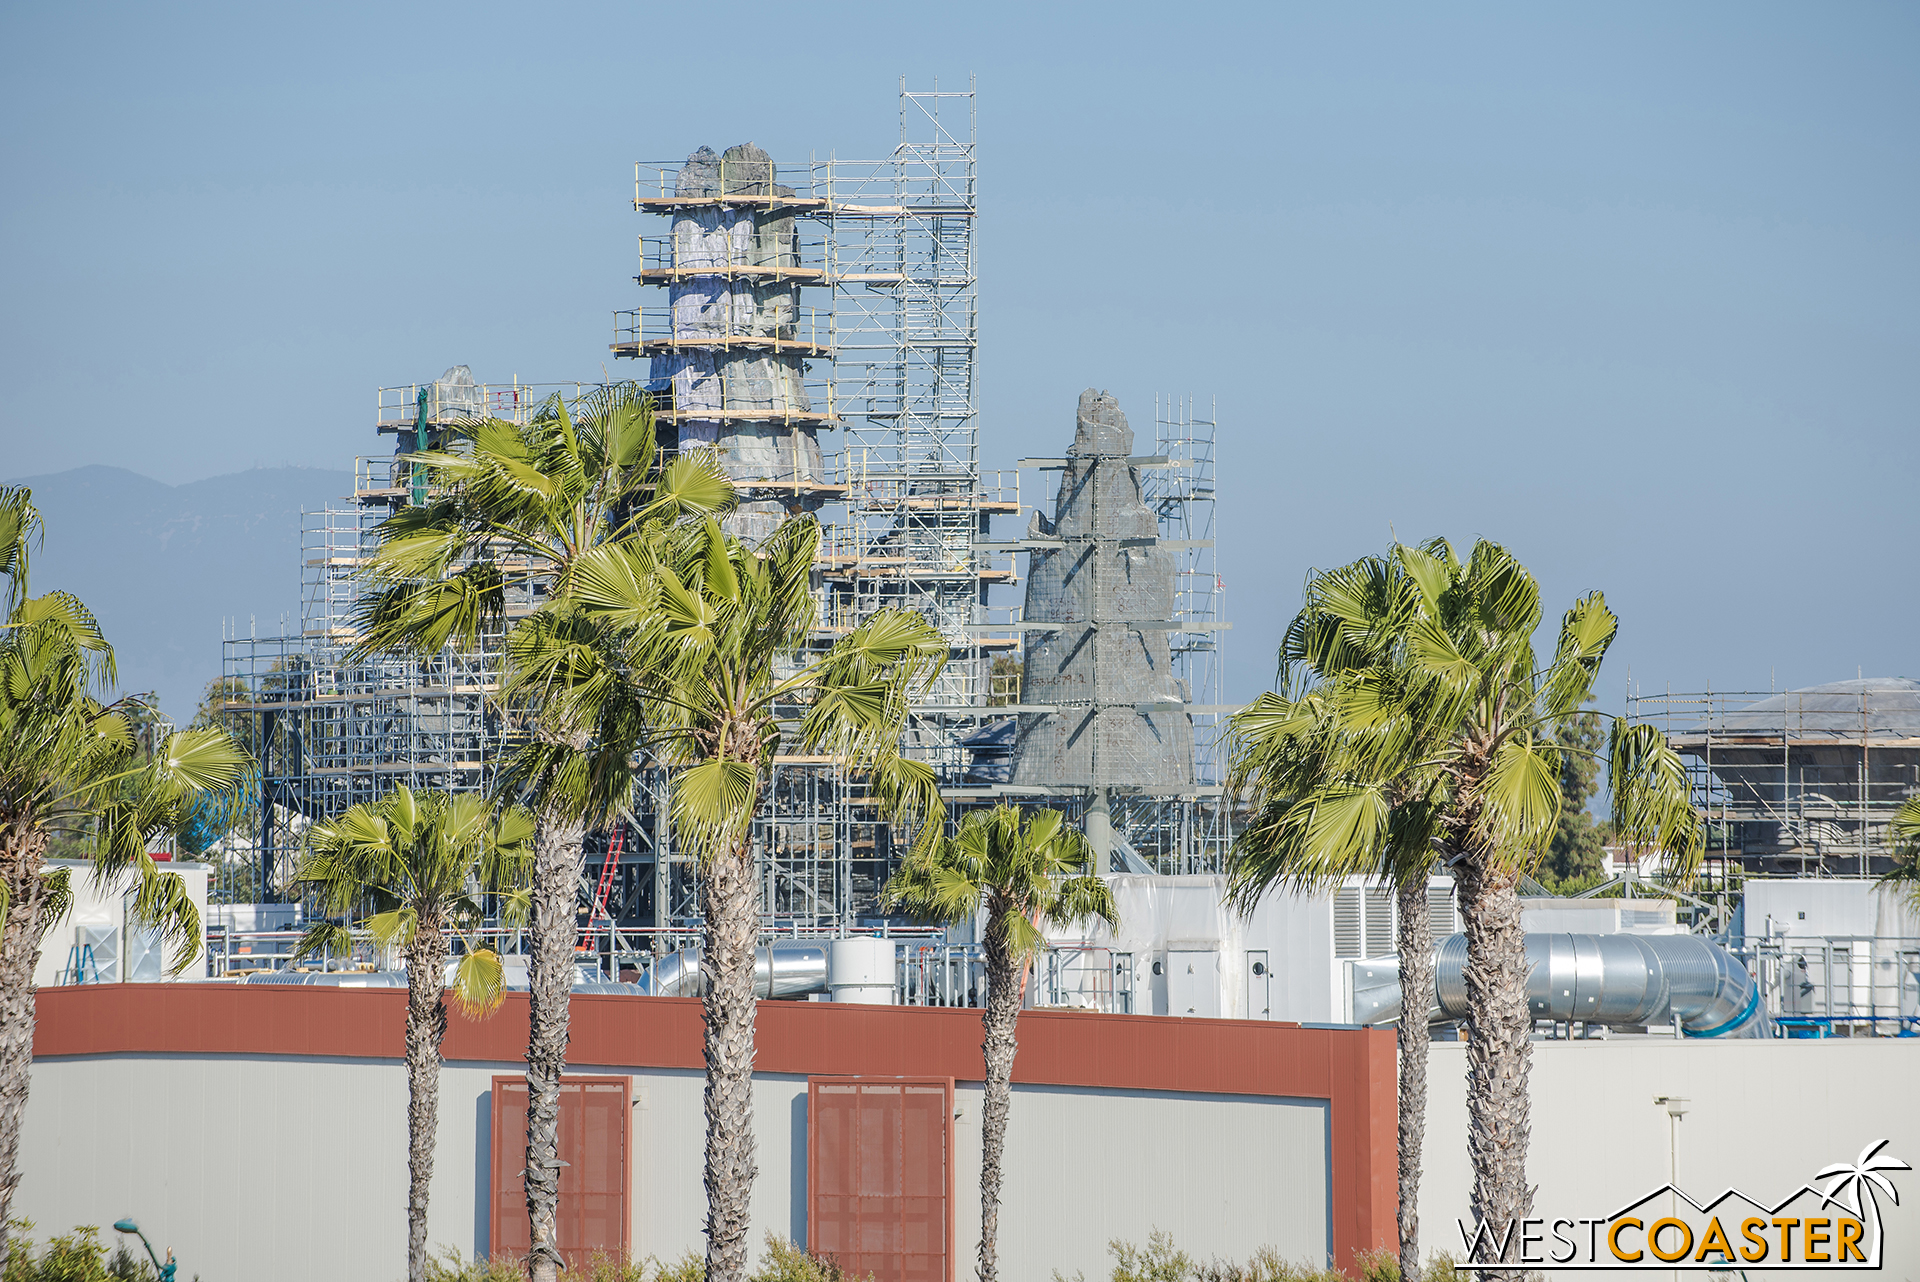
(1763, 1116)
(296, 1169)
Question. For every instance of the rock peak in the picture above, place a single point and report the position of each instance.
(1100, 427)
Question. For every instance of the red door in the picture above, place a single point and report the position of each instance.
(596, 1141)
(880, 1175)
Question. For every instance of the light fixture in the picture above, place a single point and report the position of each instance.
(166, 1270)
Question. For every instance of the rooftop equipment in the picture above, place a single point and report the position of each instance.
(1609, 980)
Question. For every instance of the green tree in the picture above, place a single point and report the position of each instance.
(70, 762)
(1577, 853)
(1023, 877)
(532, 513)
(419, 860)
(1430, 689)
(693, 650)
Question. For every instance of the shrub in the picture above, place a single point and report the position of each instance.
(691, 1267)
(451, 1266)
(78, 1256)
(784, 1262)
(1160, 1261)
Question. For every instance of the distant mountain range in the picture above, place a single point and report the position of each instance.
(162, 565)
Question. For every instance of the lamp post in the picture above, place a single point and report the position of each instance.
(1676, 1106)
(166, 1270)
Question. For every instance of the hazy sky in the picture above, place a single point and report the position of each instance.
(1629, 288)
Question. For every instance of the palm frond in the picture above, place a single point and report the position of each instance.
(163, 901)
(1520, 798)
(324, 937)
(1652, 797)
(712, 803)
(1585, 633)
(56, 898)
(479, 983)
(20, 533)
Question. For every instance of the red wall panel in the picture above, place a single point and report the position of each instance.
(880, 1175)
(596, 1142)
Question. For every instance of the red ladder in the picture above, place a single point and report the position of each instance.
(601, 891)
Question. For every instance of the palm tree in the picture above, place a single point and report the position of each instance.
(1903, 834)
(1352, 623)
(527, 511)
(420, 859)
(1422, 714)
(1023, 877)
(694, 651)
(70, 763)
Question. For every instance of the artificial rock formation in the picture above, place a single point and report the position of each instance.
(1101, 669)
(714, 308)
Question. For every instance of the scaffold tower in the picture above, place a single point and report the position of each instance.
(330, 728)
(816, 323)
(820, 327)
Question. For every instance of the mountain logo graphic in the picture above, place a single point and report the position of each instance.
(1813, 1227)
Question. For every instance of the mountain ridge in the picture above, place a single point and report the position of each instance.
(162, 566)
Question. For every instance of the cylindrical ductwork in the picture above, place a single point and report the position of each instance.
(333, 978)
(1593, 979)
(1708, 990)
(1615, 980)
(782, 970)
(861, 970)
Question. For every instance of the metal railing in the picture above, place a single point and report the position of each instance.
(232, 953)
(1818, 984)
(941, 975)
(731, 321)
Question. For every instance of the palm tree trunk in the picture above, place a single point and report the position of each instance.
(997, 1047)
(22, 849)
(1499, 1049)
(1416, 987)
(556, 875)
(729, 887)
(426, 1026)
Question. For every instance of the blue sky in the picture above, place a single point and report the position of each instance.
(1629, 287)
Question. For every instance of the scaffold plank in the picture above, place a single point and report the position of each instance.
(722, 342)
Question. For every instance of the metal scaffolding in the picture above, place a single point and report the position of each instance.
(1802, 781)
(332, 730)
(819, 326)
(1188, 834)
(864, 269)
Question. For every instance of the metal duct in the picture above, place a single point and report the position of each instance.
(782, 970)
(1708, 989)
(332, 978)
(1594, 979)
(1615, 980)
